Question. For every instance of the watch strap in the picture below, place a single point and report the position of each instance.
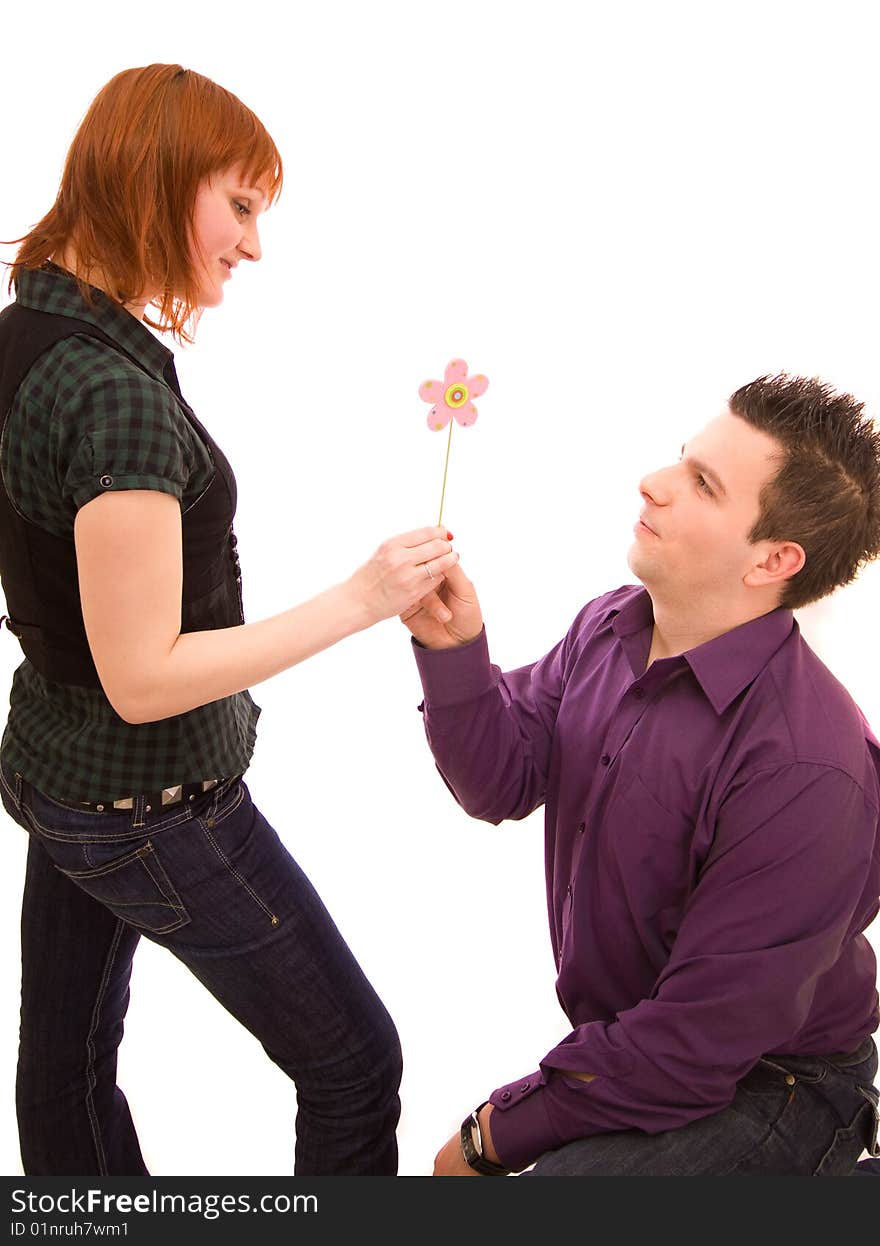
(472, 1146)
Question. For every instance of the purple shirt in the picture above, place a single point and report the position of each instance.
(712, 857)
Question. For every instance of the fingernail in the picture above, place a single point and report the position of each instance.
(449, 536)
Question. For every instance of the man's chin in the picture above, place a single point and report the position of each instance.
(635, 562)
(640, 567)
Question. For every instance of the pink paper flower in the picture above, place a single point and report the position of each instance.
(452, 396)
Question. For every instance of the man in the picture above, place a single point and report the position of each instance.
(711, 797)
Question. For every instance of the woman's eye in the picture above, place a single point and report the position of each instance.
(241, 207)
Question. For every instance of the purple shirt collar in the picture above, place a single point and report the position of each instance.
(723, 666)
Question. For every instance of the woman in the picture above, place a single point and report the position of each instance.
(130, 723)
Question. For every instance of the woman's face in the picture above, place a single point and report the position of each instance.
(224, 230)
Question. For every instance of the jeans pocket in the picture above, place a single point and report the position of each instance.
(871, 1094)
(135, 887)
(849, 1142)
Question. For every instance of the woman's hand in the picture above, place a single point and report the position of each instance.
(451, 616)
(404, 571)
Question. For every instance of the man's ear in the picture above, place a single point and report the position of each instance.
(778, 561)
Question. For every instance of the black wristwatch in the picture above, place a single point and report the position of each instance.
(472, 1146)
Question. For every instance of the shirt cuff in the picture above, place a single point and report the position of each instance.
(454, 676)
(520, 1125)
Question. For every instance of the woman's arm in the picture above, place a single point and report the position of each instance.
(129, 553)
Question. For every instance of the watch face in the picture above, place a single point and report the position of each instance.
(469, 1134)
(472, 1148)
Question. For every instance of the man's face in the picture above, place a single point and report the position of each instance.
(691, 541)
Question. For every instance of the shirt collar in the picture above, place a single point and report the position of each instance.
(725, 665)
(52, 289)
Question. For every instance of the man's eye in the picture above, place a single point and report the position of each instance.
(703, 484)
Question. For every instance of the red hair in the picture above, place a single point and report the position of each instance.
(149, 139)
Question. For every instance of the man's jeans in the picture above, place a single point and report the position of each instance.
(791, 1116)
(212, 882)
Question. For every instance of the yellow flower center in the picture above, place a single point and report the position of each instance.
(456, 395)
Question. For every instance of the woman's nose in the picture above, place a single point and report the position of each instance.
(250, 245)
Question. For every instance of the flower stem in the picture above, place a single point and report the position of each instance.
(445, 470)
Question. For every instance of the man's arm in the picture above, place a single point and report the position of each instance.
(790, 878)
(490, 734)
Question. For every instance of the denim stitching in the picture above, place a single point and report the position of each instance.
(770, 1131)
(14, 796)
(810, 1079)
(871, 1094)
(234, 872)
(214, 815)
(119, 838)
(90, 1050)
(146, 856)
(122, 836)
(844, 1134)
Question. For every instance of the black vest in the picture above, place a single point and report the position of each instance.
(38, 569)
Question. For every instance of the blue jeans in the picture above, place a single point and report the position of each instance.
(790, 1116)
(212, 882)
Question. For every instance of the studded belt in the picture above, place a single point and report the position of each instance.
(152, 800)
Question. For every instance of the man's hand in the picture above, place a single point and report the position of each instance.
(465, 621)
(451, 1163)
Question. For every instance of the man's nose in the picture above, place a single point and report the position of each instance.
(656, 487)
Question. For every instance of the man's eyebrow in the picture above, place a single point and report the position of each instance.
(706, 471)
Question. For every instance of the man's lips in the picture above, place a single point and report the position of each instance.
(642, 523)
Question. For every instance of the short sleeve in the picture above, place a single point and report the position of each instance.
(127, 433)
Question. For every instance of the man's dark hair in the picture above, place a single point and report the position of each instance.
(826, 494)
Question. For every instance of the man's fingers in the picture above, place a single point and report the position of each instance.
(432, 605)
(458, 581)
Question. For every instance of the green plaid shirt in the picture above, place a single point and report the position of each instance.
(83, 412)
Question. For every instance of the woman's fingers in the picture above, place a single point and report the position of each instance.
(436, 567)
(418, 536)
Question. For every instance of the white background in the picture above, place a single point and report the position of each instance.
(619, 213)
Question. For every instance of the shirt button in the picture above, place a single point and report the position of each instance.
(505, 1095)
(106, 481)
(524, 1087)
(639, 693)
(605, 759)
(582, 826)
